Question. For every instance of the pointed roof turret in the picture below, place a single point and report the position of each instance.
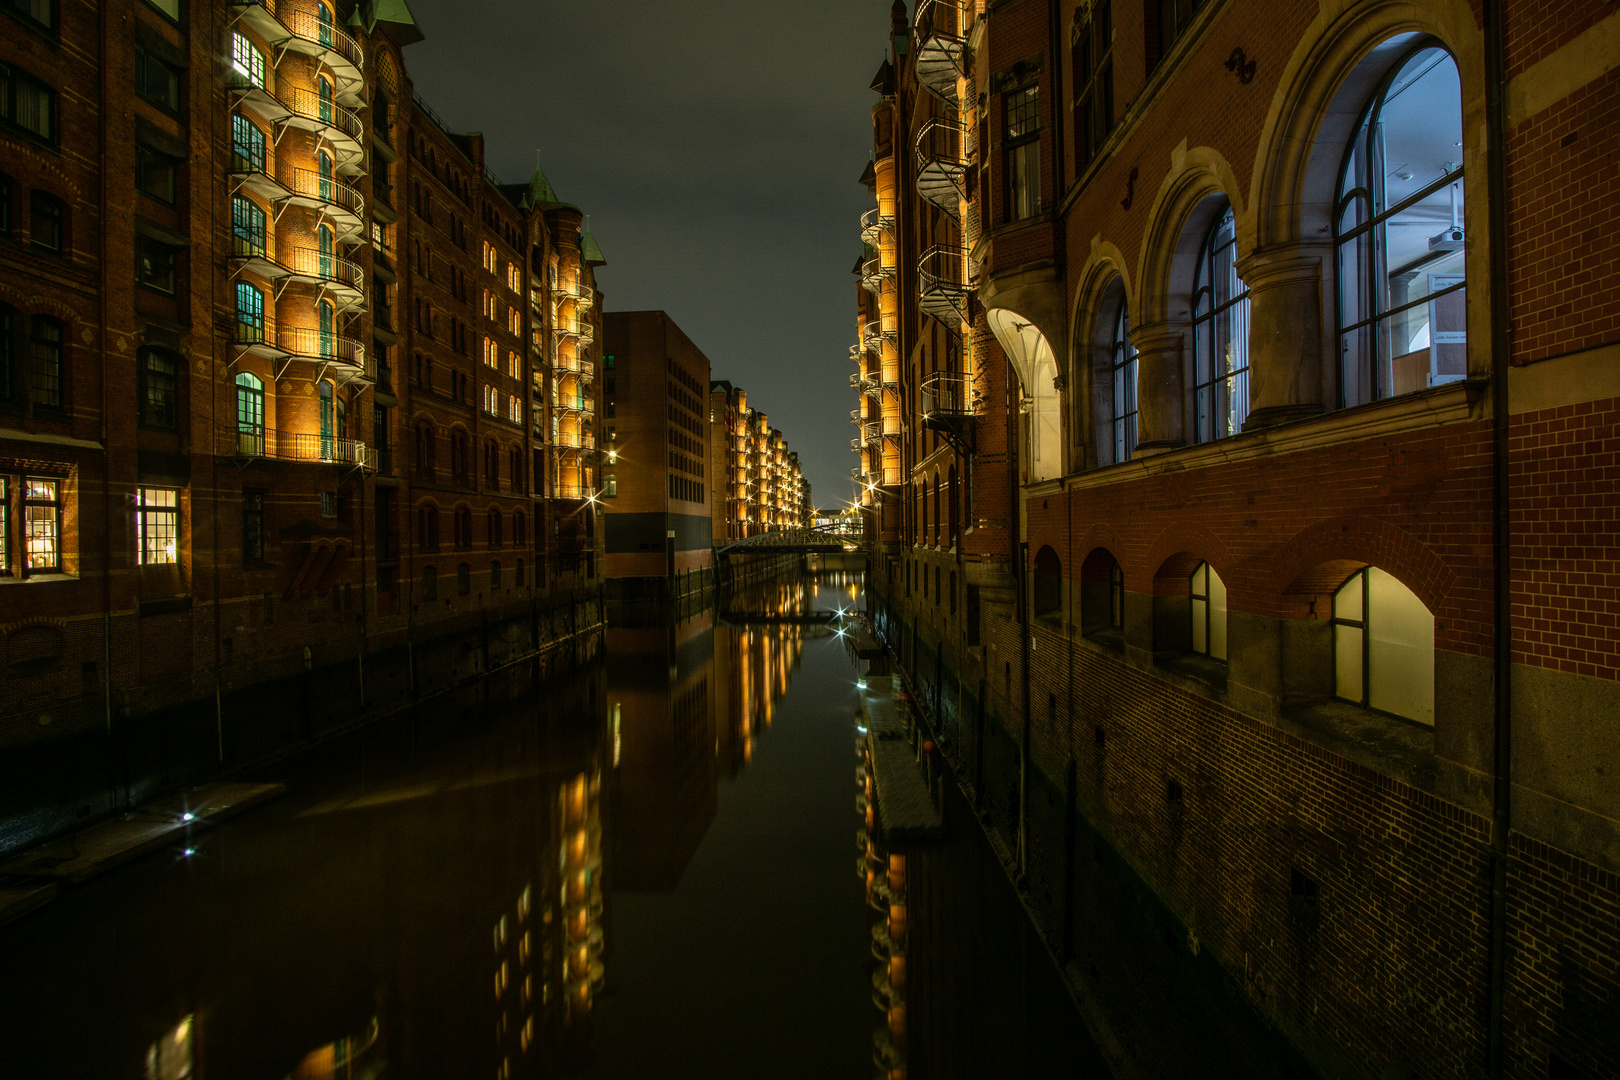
(589, 250)
(398, 20)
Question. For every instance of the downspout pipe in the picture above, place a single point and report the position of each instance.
(1019, 552)
(1501, 539)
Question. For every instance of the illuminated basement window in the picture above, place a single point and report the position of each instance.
(1383, 646)
(1208, 601)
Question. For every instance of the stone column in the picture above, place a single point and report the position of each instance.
(1285, 333)
(1160, 387)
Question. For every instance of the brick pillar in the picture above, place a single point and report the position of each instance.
(1160, 387)
(1285, 333)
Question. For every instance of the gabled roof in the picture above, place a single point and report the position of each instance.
(589, 250)
(883, 81)
(869, 175)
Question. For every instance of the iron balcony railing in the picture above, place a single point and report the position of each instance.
(942, 164)
(335, 193)
(874, 274)
(946, 394)
(308, 263)
(327, 36)
(253, 441)
(318, 346)
(874, 227)
(873, 430)
(943, 291)
(322, 113)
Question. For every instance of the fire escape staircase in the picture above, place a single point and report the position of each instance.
(942, 163)
(943, 288)
(947, 404)
(941, 46)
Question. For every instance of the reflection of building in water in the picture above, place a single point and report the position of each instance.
(753, 666)
(170, 1058)
(660, 686)
(357, 1057)
(884, 874)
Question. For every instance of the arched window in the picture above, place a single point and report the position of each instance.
(327, 266)
(249, 314)
(1048, 590)
(246, 60)
(494, 528)
(328, 419)
(1207, 593)
(954, 501)
(1383, 646)
(249, 415)
(936, 510)
(247, 228)
(520, 530)
(323, 15)
(518, 574)
(1398, 228)
(1220, 334)
(427, 527)
(463, 579)
(324, 86)
(495, 574)
(160, 388)
(1102, 598)
(463, 537)
(247, 145)
(328, 333)
(1121, 432)
(430, 583)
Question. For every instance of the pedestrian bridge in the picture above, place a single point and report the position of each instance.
(819, 540)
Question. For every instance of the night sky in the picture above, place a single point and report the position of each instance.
(716, 145)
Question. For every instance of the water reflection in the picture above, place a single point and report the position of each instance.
(638, 868)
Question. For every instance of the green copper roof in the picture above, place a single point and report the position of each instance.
(588, 248)
(397, 13)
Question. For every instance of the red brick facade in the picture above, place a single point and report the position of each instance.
(1332, 860)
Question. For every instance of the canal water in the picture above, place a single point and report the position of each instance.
(651, 866)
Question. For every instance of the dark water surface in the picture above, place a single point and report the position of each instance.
(643, 868)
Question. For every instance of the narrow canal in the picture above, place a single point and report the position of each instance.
(647, 866)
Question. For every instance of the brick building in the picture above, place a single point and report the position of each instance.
(284, 430)
(1193, 340)
(764, 485)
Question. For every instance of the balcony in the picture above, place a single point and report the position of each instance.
(942, 27)
(876, 333)
(942, 164)
(943, 289)
(296, 107)
(874, 227)
(874, 274)
(286, 29)
(336, 200)
(872, 430)
(857, 351)
(340, 279)
(315, 449)
(346, 357)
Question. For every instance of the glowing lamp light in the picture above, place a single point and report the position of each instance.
(188, 816)
(860, 729)
(860, 684)
(189, 852)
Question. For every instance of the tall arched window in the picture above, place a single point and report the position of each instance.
(46, 381)
(247, 145)
(951, 486)
(1398, 227)
(494, 528)
(1220, 334)
(249, 314)
(426, 449)
(1207, 595)
(247, 227)
(328, 332)
(323, 163)
(324, 86)
(1383, 646)
(328, 420)
(427, 527)
(323, 236)
(249, 415)
(323, 14)
(246, 60)
(1122, 388)
(936, 510)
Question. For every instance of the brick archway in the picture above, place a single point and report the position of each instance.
(1317, 559)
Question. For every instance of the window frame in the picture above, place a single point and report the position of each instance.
(40, 200)
(145, 63)
(1021, 153)
(1377, 265)
(156, 262)
(1092, 39)
(39, 349)
(54, 505)
(52, 28)
(252, 526)
(1234, 310)
(155, 522)
(151, 415)
(17, 79)
(1363, 626)
(1122, 368)
(1194, 599)
(248, 61)
(257, 160)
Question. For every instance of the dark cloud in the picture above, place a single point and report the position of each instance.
(716, 145)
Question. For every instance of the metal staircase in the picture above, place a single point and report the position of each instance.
(943, 288)
(947, 405)
(942, 163)
(942, 46)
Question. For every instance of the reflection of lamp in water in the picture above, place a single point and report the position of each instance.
(170, 1057)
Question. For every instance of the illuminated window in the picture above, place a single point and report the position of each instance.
(1398, 226)
(1383, 646)
(249, 415)
(249, 313)
(247, 227)
(1220, 334)
(246, 59)
(157, 524)
(42, 523)
(1207, 593)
